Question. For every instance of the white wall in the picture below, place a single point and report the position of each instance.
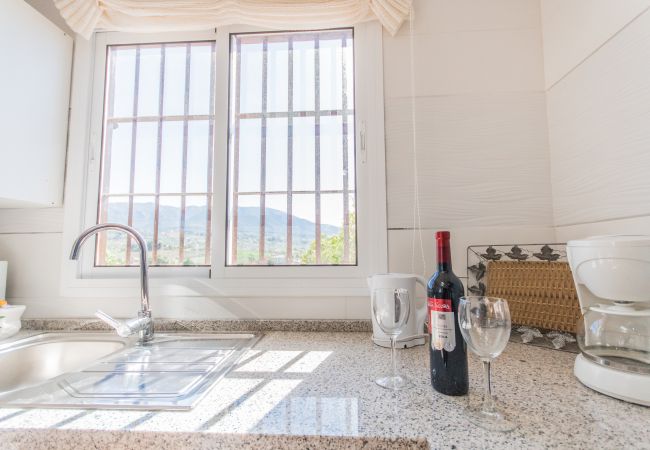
(598, 73)
(482, 150)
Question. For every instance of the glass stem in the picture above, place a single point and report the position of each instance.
(392, 355)
(488, 401)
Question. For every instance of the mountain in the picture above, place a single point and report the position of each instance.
(303, 231)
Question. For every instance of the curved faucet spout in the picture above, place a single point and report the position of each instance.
(146, 334)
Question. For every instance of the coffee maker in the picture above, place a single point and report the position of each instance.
(612, 278)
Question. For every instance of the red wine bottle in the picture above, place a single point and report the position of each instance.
(447, 350)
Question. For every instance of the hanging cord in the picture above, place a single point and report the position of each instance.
(417, 220)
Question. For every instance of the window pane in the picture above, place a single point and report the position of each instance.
(196, 223)
(289, 154)
(303, 75)
(250, 159)
(113, 243)
(331, 153)
(200, 76)
(303, 228)
(169, 225)
(144, 180)
(151, 161)
(122, 69)
(275, 235)
(149, 81)
(198, 146)
(171, 158)
(250, 91)
(143, 214)
(304, 137)
(332, 229)
(276, 154)
(278, 76)
(331, 74)
(248, 229)
(175, 69)
(117, 162)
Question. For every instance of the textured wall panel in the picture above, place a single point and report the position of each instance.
(482, 161)
(461, 62)
(573, 29)
(473, 15)
(33, 220)
(599, 132)
(403, 257)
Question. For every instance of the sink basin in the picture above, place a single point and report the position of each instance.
(39, 358)
(102, 371)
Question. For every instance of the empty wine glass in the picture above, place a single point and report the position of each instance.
(390, 308)
(485, 325)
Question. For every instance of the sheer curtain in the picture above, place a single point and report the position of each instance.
(86, 16)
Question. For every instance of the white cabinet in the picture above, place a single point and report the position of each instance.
(35, 70)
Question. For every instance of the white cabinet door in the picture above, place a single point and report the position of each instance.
(35, 68)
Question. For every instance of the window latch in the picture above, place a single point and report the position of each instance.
(362, 143)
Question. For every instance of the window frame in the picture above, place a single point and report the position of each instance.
(84, 165)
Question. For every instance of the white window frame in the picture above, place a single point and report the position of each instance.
(83, 172)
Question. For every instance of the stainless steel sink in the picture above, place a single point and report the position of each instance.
(100, 370)
(42, 357)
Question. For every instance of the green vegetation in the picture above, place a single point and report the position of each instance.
(303, 238)
(332, 248)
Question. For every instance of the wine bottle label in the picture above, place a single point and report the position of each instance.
(442, 325)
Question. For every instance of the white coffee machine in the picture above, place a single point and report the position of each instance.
(412, 334)
(612, 278)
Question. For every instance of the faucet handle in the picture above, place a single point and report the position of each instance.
(124, 328)
(120, 327)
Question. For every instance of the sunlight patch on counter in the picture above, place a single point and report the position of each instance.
(245, 416)
(309, 362)
(269, 361)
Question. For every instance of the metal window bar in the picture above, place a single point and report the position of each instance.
(344, 149)
(186, 111)
(134, 138)
(101, 239)
(235, 174)
(289, 253)
(168, 118)
(156, 215)
(208, 228)
(317, 195)
(265, 76)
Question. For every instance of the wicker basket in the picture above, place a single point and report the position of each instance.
(540, 294)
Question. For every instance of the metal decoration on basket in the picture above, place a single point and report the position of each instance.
(535, 279)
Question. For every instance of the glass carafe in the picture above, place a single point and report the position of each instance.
(616, 335)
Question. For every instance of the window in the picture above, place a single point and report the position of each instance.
(291, 149)
(157, 152)
(251, 161)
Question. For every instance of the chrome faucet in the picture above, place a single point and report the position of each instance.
(143, 324)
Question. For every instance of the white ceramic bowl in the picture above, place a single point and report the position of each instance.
(10, 320)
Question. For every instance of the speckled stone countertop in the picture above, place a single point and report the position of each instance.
(316, 390)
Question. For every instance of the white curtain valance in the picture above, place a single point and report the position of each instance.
(86, 16)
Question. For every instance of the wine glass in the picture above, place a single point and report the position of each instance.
(485, 325)
(391, 308)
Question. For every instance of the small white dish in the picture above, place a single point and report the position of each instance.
(10, 320)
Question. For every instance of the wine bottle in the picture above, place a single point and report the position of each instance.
(447, 350)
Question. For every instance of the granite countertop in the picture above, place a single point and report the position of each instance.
(315, 389)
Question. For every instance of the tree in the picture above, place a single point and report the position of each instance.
(332, 248)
